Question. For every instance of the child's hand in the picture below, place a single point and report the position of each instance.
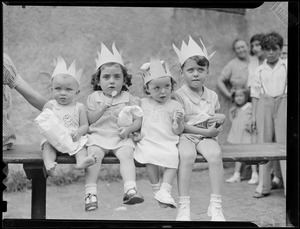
(136, 136)
(123, 132)
(217, 118)
(108, 102)
(75, 136)
(212, 131)
(177, 118)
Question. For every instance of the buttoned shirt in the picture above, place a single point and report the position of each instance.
(270, 81)
(11, 79)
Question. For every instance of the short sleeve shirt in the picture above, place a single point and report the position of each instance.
(195, 104)
(235, 73)
(11, 79)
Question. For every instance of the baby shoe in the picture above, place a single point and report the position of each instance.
(91, 202)
(132, 197)
(164, 197)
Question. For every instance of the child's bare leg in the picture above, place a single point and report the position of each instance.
(91, 178)
(49, 157)
(187, 156)
(83, 160)
(164, 194)
(211, 151)
(153, 173)
(128, 173)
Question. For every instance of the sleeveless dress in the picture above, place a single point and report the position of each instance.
(103, 133)
(158, 145)
(69, 118)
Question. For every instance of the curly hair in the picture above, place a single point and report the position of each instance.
(96, 77)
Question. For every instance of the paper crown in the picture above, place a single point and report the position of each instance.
(61, 68)
(191, 49)
(155, 69)
(107, 56)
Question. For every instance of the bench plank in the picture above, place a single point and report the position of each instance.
(32, 154)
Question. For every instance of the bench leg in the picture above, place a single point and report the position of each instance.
(38, 194)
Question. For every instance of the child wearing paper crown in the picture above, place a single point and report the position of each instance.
(196, 99)
(110, 96)
(162, 124)
(63, 121)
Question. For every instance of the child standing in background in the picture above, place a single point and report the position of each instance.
(269, 99)
(111, 94)
(196, 99)
(162, 124)
(240, 132)
(71, 114)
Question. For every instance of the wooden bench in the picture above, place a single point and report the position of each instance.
(31, 158)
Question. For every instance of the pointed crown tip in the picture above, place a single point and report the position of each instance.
(191, 49)
(106, 56)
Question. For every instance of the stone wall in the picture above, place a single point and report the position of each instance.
(33, 36)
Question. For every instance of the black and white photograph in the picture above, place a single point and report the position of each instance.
(150, 115)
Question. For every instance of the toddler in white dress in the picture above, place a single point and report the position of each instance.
(162, 123)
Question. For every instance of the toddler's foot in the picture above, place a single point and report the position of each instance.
(91, 202)
(50, 169)
(86, 162)
(132, 197)
(165, 198)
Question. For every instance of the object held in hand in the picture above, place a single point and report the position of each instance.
(217, 125)
(114, 93)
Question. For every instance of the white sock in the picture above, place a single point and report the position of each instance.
(215, 199)
(184, 200)
(129, 186)
(276, 179)
(237, 174)
(155, 187)
(166, 187)
(91, 188)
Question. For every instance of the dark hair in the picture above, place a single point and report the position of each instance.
(272, 39)
(246, 92)
(200, 60)
(96, 77)
(173, 84)
(235, 41)
(257, 37)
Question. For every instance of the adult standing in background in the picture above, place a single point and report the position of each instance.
(12, 80)
(235, 73)
(257, 56)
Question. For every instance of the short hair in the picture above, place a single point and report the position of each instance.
(272, 39)
(257, 37)
(200, 60)
(173, 84)
(96, 77)
(235, 41)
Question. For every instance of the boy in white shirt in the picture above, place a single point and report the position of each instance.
(269, 99)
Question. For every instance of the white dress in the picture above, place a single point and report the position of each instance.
(158, 145)
(68, 117)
